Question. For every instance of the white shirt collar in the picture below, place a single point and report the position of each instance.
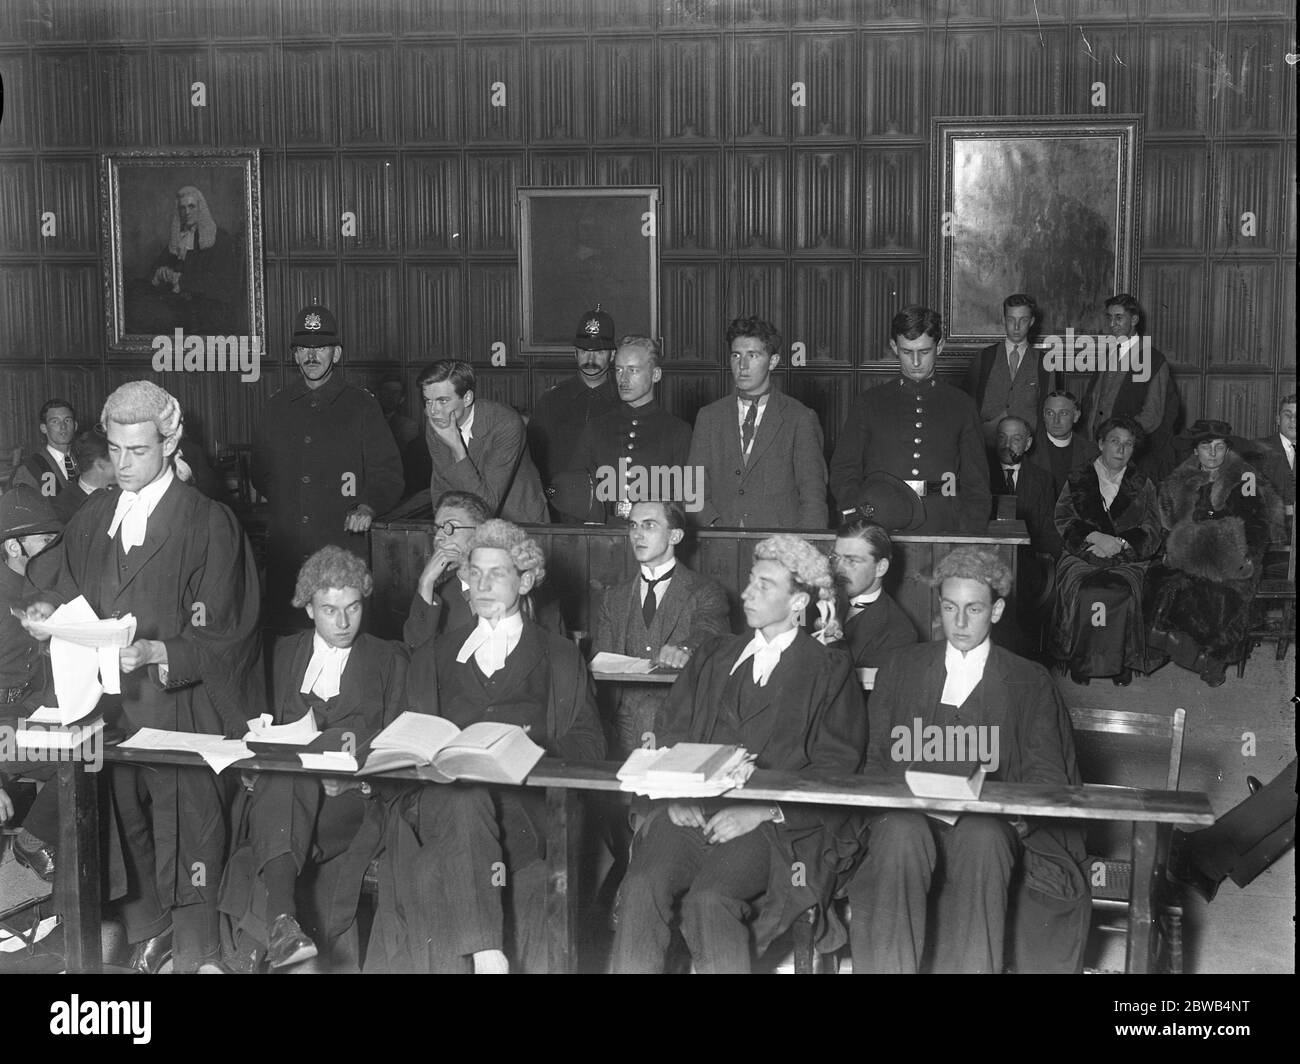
(87, 488)
(964, 672)
(134, 508)
(654, 572)
(59, 457)
(1061, 443)
(868, 597)
(1288, 449)
(467, 426)
(766, 655)
(1013, 346)
(491, 646)
(325, 669)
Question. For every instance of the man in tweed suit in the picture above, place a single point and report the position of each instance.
(760, 450)
(687, 609)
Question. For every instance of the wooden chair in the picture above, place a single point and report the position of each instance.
(1270, 592)
(1110, 877)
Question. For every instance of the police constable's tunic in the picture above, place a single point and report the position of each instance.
(308, 442)
(560, 417)
(645, 435)
(920, 431)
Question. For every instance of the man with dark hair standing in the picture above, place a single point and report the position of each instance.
(760, 450)
(920, 430)
(52, 467)
(565, 410)
(1152, 402)
(638, 429)
(874, 625)
(94, 471)
(1008, 377)
(477, 445)
(966, 681)
(323, 456)
(1060, 449)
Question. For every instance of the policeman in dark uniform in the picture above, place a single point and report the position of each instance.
(564, 410)
(638, 429)
(919, 429)
(324, 457)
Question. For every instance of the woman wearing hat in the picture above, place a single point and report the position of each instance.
(1109, 523)
(1220, 516)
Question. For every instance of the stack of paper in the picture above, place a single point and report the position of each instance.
(219, 752)
(84, 655)
(686, 770)
(621, 663)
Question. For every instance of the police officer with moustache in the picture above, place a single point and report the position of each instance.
(324, 457)
(920, 430)
(566, 409)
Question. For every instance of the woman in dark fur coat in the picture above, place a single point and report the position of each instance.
(1109, 523)
(1220, 516)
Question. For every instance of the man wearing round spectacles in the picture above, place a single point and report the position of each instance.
(441, 600)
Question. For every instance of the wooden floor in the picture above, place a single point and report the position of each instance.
(1243, 930)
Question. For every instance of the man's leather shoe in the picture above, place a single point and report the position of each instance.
(1124, 678)
(1078, 678)
(1253, 784)
(288, 944)
(1181, 869)
(39, 860)
(149, 956)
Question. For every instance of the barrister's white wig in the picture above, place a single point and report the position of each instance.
(207, 227)
(136, 402)
(809, 568)
(524, 551)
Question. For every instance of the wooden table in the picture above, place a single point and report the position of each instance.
(1152, 813)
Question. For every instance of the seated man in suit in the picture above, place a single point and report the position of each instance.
(793, 703)
(663, 613)
(964, 682)
(442, 599)
(1030, 484)
(94, 471)
(874, 625)
(353, 684)
(1061, 449)
(760, 450)
(450, 849)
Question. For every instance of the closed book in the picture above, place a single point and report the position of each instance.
(945, 779)
(690, 761)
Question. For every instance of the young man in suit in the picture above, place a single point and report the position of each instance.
(793, 703)
(874, 625)
(1010, 474)
(477, 445)
(663, 613)
(761, 452)
(353, 684)
(94, 471)
(965, 681)
(1008, 377)
(920, 430)
(450, 849)
(1277, 453)
(51, 468)
(1060, 449)
(159, 549)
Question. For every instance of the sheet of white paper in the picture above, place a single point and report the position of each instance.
(76, 679)
(222, 754)
(76, 622)
(45, 715)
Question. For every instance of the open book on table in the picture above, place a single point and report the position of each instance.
(489, 751)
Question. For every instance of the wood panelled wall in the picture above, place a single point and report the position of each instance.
(813, 216)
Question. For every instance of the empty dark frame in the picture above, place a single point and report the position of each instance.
(580, 247)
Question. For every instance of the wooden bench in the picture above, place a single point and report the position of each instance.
(1152, 813)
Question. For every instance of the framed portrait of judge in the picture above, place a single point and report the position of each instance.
(1046, 206)
(580, 247)
(183, 233)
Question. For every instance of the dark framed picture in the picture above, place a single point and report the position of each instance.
(1046, 206)
(184, 237)
(580, 247)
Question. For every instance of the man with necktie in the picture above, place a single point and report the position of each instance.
(663, 613)
(178, 561)
(51, 468)
(761, 452)
(874, 624)
(1029, 483)
(793, 703)
(1008, 377)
